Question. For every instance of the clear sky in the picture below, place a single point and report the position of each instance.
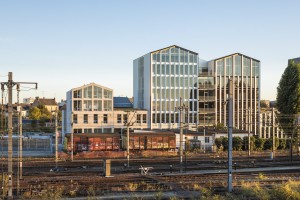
(66, 44)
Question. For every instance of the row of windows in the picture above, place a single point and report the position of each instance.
(225, 66)
(89, 105)
(92, 91)
(167, 106)
(91, 130)
(174, 81)
(167, 69)
(174, 55)
(121, 119)
(245, 82)
(172, 94)
(173, 118)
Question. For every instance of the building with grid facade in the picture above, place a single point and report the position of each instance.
(160, 79)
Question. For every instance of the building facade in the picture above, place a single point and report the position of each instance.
(213, 92)
(90, 109)
(161, 80)
(269, 124)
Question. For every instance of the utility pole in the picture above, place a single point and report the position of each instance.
(230, 124)
(72, 137)
(181, 109)
(10, 84)
(56, 139)
(273, 136)
(249, 139)
(128, 124)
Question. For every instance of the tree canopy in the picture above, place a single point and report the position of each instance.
(288, 96)
(39, 112)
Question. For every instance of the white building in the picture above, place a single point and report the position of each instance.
(160, 79)
(90, 109)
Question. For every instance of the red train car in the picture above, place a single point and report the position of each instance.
(94, 142)
(151, 140)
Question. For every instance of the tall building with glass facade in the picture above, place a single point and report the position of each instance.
(160, 79)
(213, 91)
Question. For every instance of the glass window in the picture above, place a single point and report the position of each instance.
(186, 70)
(220, 67)
(237, 67)
(158, 84)
(158, 57)
(206, 139)
(87, 105)
(119, 118)
(181, 56)
(167, 56)
(154, 57)
(125, 119)
(107, 94)
(85, 119)
(255, 68)
(153, 69)
(107, 105)
(246, 67)
(163, 69)
(144, 118)
(77, 105)
(172, 69)
(75, 119)
(167, 69)
(158, 69)
(77, 93)
(181, 70)
(154, 81)
(95, 119)
(191, 70)
(105, 118)
(138, 118)
(167, 81)
(229, 66)
(87, 92)
(97, 92)
(163, 57)
(177, 70)
(97, 105)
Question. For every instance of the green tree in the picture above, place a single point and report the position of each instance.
(45, 113)
(288, 95)
(34, 113)
(218, 142)
(225, 143)
(237, 143)
(259, 144)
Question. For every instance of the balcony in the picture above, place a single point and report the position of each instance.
(206, 74)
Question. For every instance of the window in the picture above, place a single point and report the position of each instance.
(77, 105)
(107, 94)
(206, 139)
(119, 118)
(144, 118)
(75, 119)
(105, 118)
(124, 118)
(87, 130)
(138, 118)
(87, 105)
(77, 130)
(77, 93)
(107, 105)
(85, 119)
(87, 92)
(97, 92)
(95, 119)
(97, 130)
(97, 105)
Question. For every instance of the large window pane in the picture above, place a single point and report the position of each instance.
(87, 92)
(97, 92)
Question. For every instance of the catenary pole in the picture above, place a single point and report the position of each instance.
(230, 124)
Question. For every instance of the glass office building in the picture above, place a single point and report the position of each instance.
(213, 91)
(161, 79)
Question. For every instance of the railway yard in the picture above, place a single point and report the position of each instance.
(43, 178)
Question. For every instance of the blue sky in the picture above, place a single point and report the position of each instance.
(65, 44)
